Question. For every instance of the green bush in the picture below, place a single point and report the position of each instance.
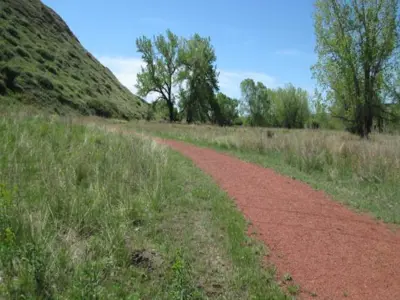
(11, 40)
(13, 32)
(6, 54)
(22, 52)
(45, 82)
(51, 69)
(76, 77)
(3, 87)
(25, 80)
(45, 54)
(10, 74)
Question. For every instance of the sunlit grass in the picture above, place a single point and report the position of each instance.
(89, 214)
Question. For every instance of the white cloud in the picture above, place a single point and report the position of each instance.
(229, 81)
(127, 68)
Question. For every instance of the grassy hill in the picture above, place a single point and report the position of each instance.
(43, 64)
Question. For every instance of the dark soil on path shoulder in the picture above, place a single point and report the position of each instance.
(330, 251)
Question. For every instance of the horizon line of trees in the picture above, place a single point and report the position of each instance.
(357, 43)
(183, 75)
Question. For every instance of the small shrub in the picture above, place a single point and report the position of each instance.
(24, 22)
(45, 82)
(10, 75)
(76, 77)
(73, 55)
(3, 88)
(270, 134)
(94, 78)
(3, 15)
(51, 69)
(238, 122)
(22, 52)
(6, 54)
(101, 108)
(13, 32)
(90, 93)
(45, 54)
(293, 289)
(25, 80)
(7, 11)
(11, 40)
(42, 67)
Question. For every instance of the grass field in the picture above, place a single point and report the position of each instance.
(361, 173)
(88, 214)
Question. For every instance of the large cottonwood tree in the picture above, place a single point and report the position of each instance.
(356, 44)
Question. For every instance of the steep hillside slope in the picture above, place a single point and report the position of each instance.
(43, 63)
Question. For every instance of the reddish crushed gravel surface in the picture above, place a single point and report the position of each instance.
(326, 248)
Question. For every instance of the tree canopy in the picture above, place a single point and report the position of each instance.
(162, 62)
(357, 43)
(199, 80)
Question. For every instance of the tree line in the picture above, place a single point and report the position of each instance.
(357, 43)
(183, 75)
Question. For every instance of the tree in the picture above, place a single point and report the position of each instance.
(199, 80)
(319, 116)
(159, 75)
(290, 106)
(256, 102)
(228, 109)
(356, 43)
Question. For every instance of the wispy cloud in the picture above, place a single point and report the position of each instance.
(127, 68)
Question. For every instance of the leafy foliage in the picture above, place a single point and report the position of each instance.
(283, 107)
(159, 75)
(290, 107)
(228, 110)
(199, 78)
(256, 102)
(357, 43)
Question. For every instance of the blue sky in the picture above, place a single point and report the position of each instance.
(268, 40)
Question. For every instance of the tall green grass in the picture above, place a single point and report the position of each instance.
(86, 214)
(362, 173)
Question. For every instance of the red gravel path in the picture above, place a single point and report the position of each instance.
(328, 249)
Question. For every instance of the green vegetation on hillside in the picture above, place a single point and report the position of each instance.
(361, 173)
(42, 63)
(90, 214)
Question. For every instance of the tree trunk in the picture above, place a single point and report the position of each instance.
(189, 116)
(171, 111)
